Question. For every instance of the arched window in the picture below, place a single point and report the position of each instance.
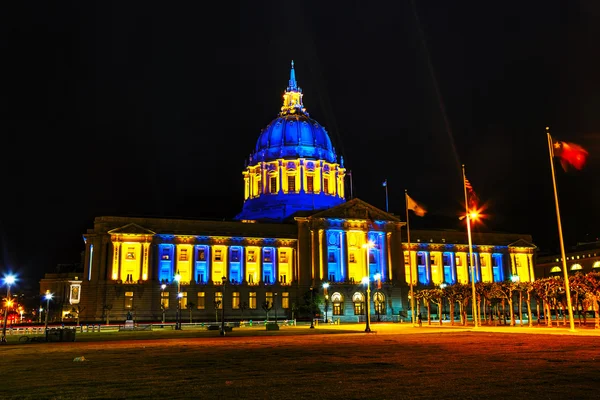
(576, 267)
(379, 300)
(338, 303)
(596, 264)
(359, 303)
(555, 270)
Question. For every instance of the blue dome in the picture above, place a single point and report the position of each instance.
(294, 136)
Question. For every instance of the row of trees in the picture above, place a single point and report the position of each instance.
(496, 301)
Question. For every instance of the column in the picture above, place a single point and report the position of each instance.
(321, 266)
(145, 257)
(343, 255)
(116, 258)
(301, 167)
(281, 170)
(388, 250)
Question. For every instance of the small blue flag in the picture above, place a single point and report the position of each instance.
(384, 183)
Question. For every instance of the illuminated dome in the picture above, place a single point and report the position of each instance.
(294, 166)
(293, 134)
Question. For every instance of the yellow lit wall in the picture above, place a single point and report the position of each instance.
(131, 257)
(462, 271)
(219, 262)
(485, 263)
(413, 267)
(356, 255)
(285, 264)
(522, 266)
(184, 260)
(253, 254)
(437, 271)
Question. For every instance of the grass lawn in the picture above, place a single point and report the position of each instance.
(303, 363)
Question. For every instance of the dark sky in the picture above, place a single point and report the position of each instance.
(151, 108)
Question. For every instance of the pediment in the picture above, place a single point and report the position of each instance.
(356, 209)
(522, 243)
(132, 229)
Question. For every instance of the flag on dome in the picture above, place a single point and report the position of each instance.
(570, 154)
(418, 209)
(384, 184)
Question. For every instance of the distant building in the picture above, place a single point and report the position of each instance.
(584, 258)
(296, 231)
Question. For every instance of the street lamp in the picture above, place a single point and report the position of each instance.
(224, 280)
(162, 301)
(312, 316)
(179, 296)
(325, 287)
(8, 280)
(48, 297)
(367, 282)
(40, 314)
(275, 305)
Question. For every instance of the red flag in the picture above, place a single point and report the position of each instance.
(473, 199)
(570, 154)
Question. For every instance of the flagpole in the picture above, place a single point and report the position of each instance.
(386, 196)
(411, 294)
(474, 294)
(560, 234)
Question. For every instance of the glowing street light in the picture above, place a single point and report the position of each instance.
(8, 280)
(48, 297)
(177, 279)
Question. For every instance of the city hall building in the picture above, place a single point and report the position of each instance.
(295, 233)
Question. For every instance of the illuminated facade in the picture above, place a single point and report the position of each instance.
(295, 232)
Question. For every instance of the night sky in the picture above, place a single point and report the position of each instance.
(152, 108)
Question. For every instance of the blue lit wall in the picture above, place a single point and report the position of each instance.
(497, 267)
(236, 263)
(269, 255)
(201, 266)
(422, 267)
(165, 262)
(335, 260)
(282, 205)
(449, 268)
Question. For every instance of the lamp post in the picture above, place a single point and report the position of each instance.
(312, 316)
(367, 282)
(8, 280)
(326, 294)
(40, 315)
(162, 301)
(179, 296)
(48, 297)
(224, 280)
(275, 305)
(367, 279)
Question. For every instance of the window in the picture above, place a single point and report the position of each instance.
(291, 183)
(251, 256)
(201, 301)
(273, 184)
(235, 300)
(309, 184)
(283, 257)
(326, 185)
(201, 255)
(129, 300)
(130, 253)
(331, 258)
(458, 261)
(483, 261)
(164, 299)
(218, 255)
(267, 256)
(218, 300)
(252, 300)
(372, 258)
(250, 278)
(269, 298)
(165, 254)
(406, 259)
(259, 183)
(183, 255)
(285, 300)
(183, 300)
(351, 257)
(235, 255)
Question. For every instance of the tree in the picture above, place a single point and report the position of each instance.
(190, 306)
(107, 308)
(243, 307)
(267, 306)
(593, 279)
(452, 294)
(217, 304)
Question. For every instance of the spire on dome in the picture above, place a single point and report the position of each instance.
(292, 85)
(292, 98)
